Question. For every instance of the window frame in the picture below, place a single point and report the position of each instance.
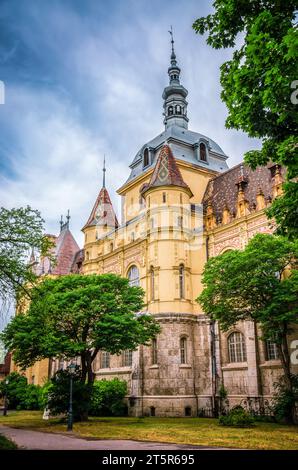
(183, 350)
(237, 347)
(133, 281)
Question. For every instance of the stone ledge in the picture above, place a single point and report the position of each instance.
(185, 366)
(235, 366)
(109, 371)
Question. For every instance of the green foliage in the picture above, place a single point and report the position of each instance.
(250, 284)
(285, 400)
(6, 444)
(256, 84)
(259, 283)
(222, 392)
(107, 398)
(58, 393)
(78, 315)
(237, 417)
(21, 230)
(20, 395)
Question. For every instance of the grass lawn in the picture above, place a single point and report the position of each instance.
(197, 431)
(6, 444)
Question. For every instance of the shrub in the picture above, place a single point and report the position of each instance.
(20, 395)
(284, 400)
(58, 394)
(107, 398)
(237, 417)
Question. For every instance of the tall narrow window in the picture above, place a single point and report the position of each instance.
(178, 109)
(181, 281)
(146, 158)
(203, 153)
(183, 350)
(170, 110)
(133, 276)
(152, 286)
(105, 360)
(152, 222)
(272, 351)
(237, 349)
(127, 358)
(164, 197)
(154, 351)
(180, 221)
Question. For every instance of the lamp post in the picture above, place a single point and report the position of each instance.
(71, 368)
(5, 398)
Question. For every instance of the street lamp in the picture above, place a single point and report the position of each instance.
(71, 368)
(5, 398)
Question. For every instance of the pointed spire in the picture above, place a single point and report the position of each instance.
(61, 223)
(67, 219)
(174, 95)
(166, 171)
(173, 55)
(104, 172)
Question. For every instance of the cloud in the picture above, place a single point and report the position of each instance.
(84, 79)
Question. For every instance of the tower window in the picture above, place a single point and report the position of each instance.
(152, 282)
(133, 276)
(237, 349)
(183, 350)
(146, 158)
(164, 197)
(105, 360)
(170, 111)
(203, 153)
(154, 351)
(180, 221)
(181, 281)
(127, 358)
(272, 351)
(178, 109)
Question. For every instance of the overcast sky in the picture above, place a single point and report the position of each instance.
(84, 78)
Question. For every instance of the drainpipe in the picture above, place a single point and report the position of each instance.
(213, 350)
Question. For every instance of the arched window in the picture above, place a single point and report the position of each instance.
(181, 281)
(146, 158)
(154, 351)
(203, 153)
(178, 109)
(105, 360)
(237, 349)
(271, 350)
(183, 350)
(170, 111)
(127, 358)
(133, 276)
(152, 282)
(87, 255)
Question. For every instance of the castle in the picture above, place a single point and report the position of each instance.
(181, 204)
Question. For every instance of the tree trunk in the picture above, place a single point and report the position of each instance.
(87, 378)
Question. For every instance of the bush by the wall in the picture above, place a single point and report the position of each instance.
(107, 398)
(19, 394)
(284, 400)
(237, 417)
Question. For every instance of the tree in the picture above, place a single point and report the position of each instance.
(79, 315)
(259, 283)
(258, 83)
(21, 230)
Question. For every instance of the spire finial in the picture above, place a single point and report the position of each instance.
(173, 55)
(67, 219)
(104, 172)
(61, 223)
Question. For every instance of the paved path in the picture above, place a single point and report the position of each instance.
(49, 441)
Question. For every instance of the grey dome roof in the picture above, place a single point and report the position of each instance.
(182, 143)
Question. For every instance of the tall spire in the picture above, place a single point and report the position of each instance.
(174, 95)
(104, 172)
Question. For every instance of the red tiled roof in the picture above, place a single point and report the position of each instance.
(106, 215)
(166, 171)
(222, 190)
